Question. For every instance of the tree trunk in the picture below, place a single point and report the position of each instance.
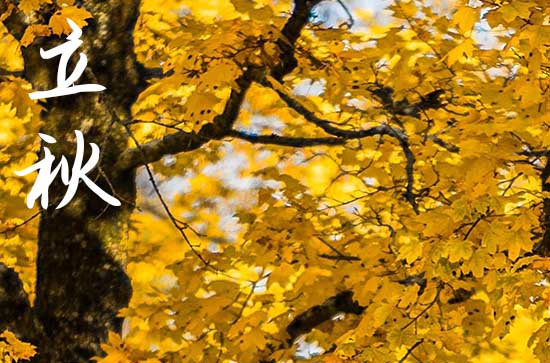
(81, 282)
(543, 247)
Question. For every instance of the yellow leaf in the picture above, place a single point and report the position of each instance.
(411, 251)
(529, 93)
(30, 5)
(10, 52)
(16, 348)
(514, 9)
(34, 31)
(457, 250)
(465, 18)
(465, 49)
(408, 8)
(58, 22)
(476, 263)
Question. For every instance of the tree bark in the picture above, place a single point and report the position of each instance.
(543, 247)
(81, 281)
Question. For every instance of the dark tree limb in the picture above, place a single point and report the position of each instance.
(149, 73)
(444, 144)
(535, 153)
(178, 224)
(274, 139)
(223, 123)
(155, 150)
(410, 350)
(4, 73)
(290, 34)
(318, 314)
(543, 247)
(351, 21)
(339, 257)
(383, 129)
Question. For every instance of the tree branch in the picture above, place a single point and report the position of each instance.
(149, 73)
(444, 144)
(274, 139)
(383, 129)
(13, 228)
(543, 247)
(155, 150)
(318, 314)
(180, 226)
(223, 123)
(4, 72)
(410, 350)
(351, 21)
(535, 153)
(290, 34)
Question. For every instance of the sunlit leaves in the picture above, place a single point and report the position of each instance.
(14, 350)
(58, 22)
(285, 228)
(29, 5)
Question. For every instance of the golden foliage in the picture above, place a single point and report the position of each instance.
(284, 229)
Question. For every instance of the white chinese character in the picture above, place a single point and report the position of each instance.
(65, 84)
(46, 175)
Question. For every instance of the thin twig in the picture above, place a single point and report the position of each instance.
(380, 130)
(351, 21)
(432, 303)
(335, 250)
(410, 350)
(13, 228)
(180, 226)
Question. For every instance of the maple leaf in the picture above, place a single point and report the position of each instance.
(31, 5)
(58, 21)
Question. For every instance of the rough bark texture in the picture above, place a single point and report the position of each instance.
(81, 282)
(543, 247)
(15, 310)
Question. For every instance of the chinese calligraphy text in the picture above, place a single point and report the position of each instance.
(46, 174)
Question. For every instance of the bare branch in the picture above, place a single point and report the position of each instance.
(155, 150)
(339, 258)
(290, 34)
(316, 315)
(383, 129)
(449, 147)
(410, 350)
(339, 255)
(274, 139)
(535, 153)
(351, 21)
(4, 72)
(180, 226)
(150, 73)
(13, 228)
